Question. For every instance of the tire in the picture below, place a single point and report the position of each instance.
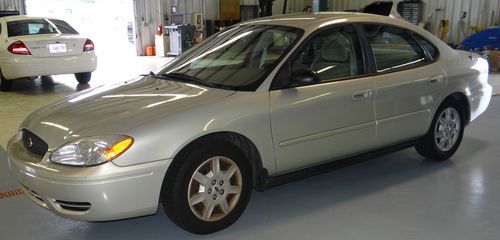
(5, 85)
(192, 178)
(47, 80)
(445, 133)
(83, 78)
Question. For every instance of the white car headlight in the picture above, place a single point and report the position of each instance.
(91, 151)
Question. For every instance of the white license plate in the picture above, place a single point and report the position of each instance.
(57, 48)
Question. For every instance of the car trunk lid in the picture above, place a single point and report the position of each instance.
(53, 45)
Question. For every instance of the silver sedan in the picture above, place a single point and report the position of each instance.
(262, 103)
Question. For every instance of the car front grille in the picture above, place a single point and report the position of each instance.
(76, 207)
(33, 143)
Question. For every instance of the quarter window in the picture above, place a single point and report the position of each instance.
(332, 54)
(393, 48)
(433, 52)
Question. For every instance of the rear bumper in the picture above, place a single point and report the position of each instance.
(479, 100)
(29, 66)
(101, 193)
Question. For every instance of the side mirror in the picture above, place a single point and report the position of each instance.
(304, 77)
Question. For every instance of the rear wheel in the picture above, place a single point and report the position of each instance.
(445, 134)
(209, 190)
(83, 77)
(5, 85)
(47, 80)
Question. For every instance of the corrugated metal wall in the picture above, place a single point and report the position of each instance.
(18, 5)
(482, 13)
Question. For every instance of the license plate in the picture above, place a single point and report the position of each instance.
(57, 48)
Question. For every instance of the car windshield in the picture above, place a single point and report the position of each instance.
(238, 58)
(39, 26)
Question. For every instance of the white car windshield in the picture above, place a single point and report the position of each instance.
(238, 58)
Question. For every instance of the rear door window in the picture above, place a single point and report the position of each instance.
(63, 27)
(394, 48)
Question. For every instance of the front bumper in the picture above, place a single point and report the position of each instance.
(29, 66)
(100, 193)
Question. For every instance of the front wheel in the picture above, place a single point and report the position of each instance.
(5, 85)
(445, 134)
(83, 78)
(209, 190)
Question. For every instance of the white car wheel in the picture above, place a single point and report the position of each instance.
(5, 85)
(445, 134)
(207, 190)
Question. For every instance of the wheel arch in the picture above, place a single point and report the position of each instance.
(456, 97)
(463, 100)
(241, 142)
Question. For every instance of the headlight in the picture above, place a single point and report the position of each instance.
(90, 151)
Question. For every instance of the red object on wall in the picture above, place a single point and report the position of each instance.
(159, 30)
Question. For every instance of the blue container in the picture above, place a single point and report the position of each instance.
(489, 38)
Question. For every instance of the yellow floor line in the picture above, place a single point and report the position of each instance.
(11, 193)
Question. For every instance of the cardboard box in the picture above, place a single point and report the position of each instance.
(494, 60)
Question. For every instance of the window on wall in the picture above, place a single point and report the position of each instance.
(393, 48)
(332, 54)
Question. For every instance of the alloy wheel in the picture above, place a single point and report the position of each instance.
(214, 188)
(447, 129)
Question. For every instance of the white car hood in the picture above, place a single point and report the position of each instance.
(117, 109)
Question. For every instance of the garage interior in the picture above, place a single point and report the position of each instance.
(396, 196)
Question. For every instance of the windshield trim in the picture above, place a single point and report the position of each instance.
(255, 85)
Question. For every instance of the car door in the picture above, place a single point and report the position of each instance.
(408, 83)
(321, 121)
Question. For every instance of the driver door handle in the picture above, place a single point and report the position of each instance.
(362, 95)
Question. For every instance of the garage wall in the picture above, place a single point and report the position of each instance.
(148, 15)
(482, 13)
(13, 5)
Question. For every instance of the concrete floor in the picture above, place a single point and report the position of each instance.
(397, 196)
(28, 95)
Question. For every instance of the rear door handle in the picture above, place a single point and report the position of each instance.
(362, 95)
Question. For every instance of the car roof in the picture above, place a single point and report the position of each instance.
(310, 22)
(315, 20)
(23, 17)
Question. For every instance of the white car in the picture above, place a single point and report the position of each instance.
(35, 46)
(259, 104)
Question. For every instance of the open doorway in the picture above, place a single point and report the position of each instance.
(109, 23)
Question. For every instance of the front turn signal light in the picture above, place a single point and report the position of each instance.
(118, 148)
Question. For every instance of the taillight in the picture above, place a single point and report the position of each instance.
(19, 48)
(89, 46)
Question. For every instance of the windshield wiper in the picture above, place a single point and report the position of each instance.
(189, 79)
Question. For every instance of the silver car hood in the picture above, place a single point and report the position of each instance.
(117, 109)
